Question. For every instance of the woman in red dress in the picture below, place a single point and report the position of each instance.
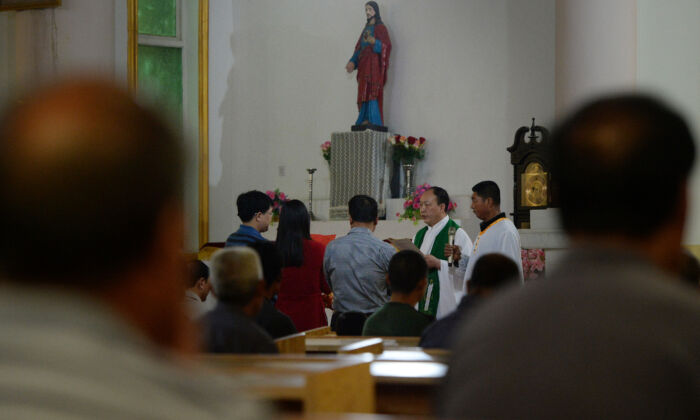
(303, 285)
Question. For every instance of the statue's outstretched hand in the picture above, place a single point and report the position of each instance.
(350, 67)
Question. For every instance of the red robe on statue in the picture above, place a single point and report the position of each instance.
(372, 68)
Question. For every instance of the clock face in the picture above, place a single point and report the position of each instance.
(533, 186)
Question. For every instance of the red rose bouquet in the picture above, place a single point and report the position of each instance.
(406, 149)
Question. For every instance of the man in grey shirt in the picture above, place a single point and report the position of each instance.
(612, 332)
(356, 265)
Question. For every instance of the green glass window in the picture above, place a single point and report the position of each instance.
(160, 75)
(157, 17)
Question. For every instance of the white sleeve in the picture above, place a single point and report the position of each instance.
(465, 245)
(510, 247)
(448, 300)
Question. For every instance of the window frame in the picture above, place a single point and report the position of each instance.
(133, 40)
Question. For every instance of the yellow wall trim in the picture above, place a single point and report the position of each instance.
(132, 67)
(203, 122)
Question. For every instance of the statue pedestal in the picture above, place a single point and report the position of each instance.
(358, 166)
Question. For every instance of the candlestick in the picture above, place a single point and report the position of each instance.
(310, 181)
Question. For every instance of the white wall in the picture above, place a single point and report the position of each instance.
(595, 49)
(39, 45)
(669, 64)
(463, 74)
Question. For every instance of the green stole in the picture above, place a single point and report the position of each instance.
(438, 251)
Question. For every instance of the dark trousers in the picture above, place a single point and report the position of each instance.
(348, 323)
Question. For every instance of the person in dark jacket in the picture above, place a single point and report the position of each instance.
(237, 278)
(408, 273)
(273, 321)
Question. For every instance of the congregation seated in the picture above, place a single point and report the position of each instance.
(303, 286)
(91, 299)
(356, 264)
(237, 279)
(273, 321)
(407, 279)
(491, 273)
(255, 212)
(198, 288)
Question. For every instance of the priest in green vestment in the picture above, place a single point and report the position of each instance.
(433, 240)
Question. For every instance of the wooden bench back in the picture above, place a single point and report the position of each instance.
(295, 343)
(325, 330)
(370, 345)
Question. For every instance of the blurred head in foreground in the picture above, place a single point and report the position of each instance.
(491, 273)
(93, 179)
(623, 164)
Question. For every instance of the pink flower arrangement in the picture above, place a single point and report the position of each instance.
(278, 198)
(406, 149)
(326, 151)
(533, 263)
(412, 205)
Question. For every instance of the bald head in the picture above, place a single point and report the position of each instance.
(84, 174)
(622, 163)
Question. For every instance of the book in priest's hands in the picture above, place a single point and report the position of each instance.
(403, 244)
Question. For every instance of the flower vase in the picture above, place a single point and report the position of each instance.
(408, 178)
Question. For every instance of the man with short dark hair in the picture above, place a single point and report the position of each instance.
(272, 320)
(434, 242)
(491, 273)
(91, 304)
(255, 212)
(356, 264)
(613, 331)
(407, 278)
(237, 278)
(498, 233)
(198, 288)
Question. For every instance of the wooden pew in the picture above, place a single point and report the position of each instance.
(332, 343)
(370, 345)
(320, 331)
(302, 383)
(294, 343)
(405, 381)
(406, 378)
(329, 344)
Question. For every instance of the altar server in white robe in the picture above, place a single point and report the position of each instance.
(434, 242)
(498, 234)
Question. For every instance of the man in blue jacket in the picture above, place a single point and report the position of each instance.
(255, 212)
